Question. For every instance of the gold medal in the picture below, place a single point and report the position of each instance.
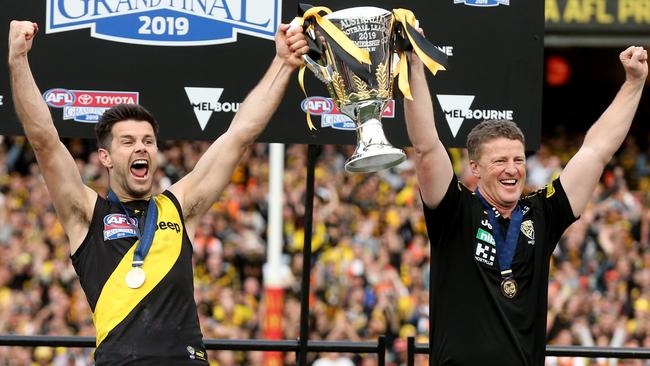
(135, 277)
(509, 287)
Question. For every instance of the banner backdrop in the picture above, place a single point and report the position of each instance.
(598, 16)
(192, 62)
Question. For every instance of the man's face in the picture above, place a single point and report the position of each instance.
(501, 170)
(132, 159)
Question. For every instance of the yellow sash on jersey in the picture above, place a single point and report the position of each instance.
(116, 300)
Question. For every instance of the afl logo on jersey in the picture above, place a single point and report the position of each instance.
(117, 226)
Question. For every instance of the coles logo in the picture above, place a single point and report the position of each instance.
(117, 226)
(332, 117)
(87, 105)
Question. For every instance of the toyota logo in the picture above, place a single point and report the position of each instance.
(85, 99)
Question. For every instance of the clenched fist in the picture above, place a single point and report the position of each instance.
(635, 62)
(21, 36)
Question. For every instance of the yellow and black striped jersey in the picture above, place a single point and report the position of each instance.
(157, 323)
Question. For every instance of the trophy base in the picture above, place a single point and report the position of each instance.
(375, 158)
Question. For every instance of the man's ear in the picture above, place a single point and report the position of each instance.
(105, 158)
(473, 165)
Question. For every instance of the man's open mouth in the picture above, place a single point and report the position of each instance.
(140, 168)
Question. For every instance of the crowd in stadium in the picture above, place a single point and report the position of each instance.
(370, 254)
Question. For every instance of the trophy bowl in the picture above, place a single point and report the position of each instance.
(362, 91)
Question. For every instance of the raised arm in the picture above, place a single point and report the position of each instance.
(432, 163)
(72, 200)
(198, 190)
(581, 174)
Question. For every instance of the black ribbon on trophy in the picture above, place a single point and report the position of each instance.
(358, 53)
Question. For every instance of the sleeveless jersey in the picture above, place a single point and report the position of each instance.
(156, 324)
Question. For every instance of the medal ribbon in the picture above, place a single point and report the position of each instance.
(146, 238)
(505, 248)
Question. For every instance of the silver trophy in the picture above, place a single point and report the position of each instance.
(364, 91)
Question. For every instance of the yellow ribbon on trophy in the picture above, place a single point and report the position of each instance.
(421, 47)
(301, 77)
(301, 81)
(336, 36)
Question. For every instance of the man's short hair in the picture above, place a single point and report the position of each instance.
(490, 130)
(119, 113)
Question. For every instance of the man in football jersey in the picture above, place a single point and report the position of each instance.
(132, 249)
(490, 249)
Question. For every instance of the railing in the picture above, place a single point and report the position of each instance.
(303, 347)
(413, 348)
(378, 347)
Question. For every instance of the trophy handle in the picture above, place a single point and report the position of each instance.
(323, 73)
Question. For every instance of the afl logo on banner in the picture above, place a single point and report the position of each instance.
(483, 2)
(332, 117)
(86, 105)
(166, 22)
(317, 105)
(58, 98)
